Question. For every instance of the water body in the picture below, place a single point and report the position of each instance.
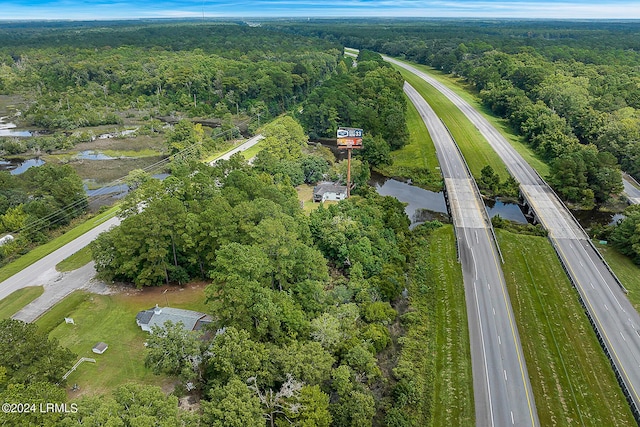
(422, 205)
(93, 155)
(17, 167)
(506, 210)
(589, 219)
(8, 129)
(117, 191)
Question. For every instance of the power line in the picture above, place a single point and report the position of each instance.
(64, 211)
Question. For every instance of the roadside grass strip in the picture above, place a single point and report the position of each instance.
(435, 357)
(572, 380)
(75, 261)
(41, 251)
(18, 299)
(625, 269)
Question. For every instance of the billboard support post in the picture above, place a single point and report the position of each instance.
(349, 138)
(348, 172)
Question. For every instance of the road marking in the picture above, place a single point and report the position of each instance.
(592, 285)
(512, 420)
(489, 285)
(505, 374)
(622, 336)
(477, 241)
(581, 264)
(606, 308)
(499, 340)
(494, 311)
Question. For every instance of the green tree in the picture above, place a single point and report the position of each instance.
(233, 405)
(173, 350)
(29, 356)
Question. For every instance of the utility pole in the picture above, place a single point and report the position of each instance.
(349, 138)
(349, 172)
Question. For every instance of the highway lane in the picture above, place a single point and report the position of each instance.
(614, 319)
(44, 270)
(502, 391)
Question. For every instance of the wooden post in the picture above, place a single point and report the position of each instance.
(348, 172)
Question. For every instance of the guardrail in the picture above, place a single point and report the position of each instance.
(485, 215)
(575, 221)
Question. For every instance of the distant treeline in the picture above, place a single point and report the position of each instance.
(75, 77)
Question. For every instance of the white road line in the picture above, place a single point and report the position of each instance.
(505, 374)
(499, 340)
(622, 336)
(606, 308)
(489, 285)
(512, 420)
(592, 285)
(494, 311)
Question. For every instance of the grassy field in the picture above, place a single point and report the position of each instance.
(112, 319)
(453, 383)
(75, 261)
(44, 250)
(467, 92)
(416, 160)
(18, 299)
(625, 269)
(572, 380)
(474, 147)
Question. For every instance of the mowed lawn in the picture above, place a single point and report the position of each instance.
(112, 319)
(572, 380)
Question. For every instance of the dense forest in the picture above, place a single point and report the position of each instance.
(302, 303)
(572, 89)
(69, 79)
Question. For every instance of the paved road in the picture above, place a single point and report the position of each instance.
(58, 285)
(244, 146)
(502, 391)
(615, 321)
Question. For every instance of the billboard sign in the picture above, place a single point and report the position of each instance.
(349, 138)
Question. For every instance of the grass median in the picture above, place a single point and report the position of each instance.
(474, 150)
(572, 380)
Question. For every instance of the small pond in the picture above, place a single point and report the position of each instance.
(16, 167)
(422, 205)
(93, 155)
(9, 129)
(506, 210)
(589, 219)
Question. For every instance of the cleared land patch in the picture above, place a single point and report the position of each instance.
(112, 319)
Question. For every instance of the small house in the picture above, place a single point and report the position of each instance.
(329, 191)
(191, 320)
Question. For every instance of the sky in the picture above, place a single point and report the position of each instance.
(115, 9)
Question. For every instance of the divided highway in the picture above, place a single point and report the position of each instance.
(502, 391)
(614, 319)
